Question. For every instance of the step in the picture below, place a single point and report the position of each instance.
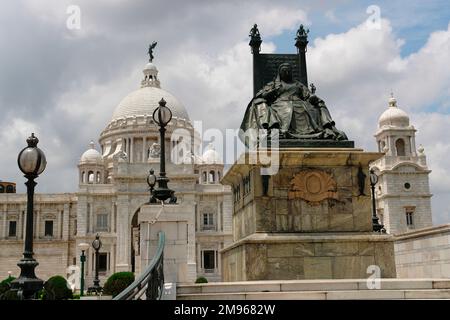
(317, 289)
(324, 295)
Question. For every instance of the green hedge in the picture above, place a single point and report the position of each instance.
(5, 292)
(201, 280)
(118, 282)
(56, 288)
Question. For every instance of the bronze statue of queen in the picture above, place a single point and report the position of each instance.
(289, 106)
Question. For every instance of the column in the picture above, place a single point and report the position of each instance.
(113, 218)
(91, 219)
(81, 216)
(131, 157)
(123, 237)
(19, 229)
(219, 217)
(144, 146)
(37, 223)
(65, 224)
(5, 213)
(413, 146)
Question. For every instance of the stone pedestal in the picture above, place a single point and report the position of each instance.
(309, 220)
(179, 250)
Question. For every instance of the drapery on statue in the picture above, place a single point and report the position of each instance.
(287, 105)
(150, 50)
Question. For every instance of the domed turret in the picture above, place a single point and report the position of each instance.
(91, 156)
(211, 156)
(211, 166)
(91, 166)
(393, 116)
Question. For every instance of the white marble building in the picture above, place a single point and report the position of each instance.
(403, 189)
(112, 187)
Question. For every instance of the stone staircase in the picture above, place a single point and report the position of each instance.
(342, 289)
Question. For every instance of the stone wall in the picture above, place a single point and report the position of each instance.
(52, 257)
(424, 253)
(314, 256)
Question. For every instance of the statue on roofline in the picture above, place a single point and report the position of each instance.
(150, 50)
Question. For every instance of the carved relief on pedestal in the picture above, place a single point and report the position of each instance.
(313, 186)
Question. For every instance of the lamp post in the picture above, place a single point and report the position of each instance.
(377, 227)
(32, 162)
(83, 247)
(96, 244)
(162, 116)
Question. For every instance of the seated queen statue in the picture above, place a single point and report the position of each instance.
(289, 106)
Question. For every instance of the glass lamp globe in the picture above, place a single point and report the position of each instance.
(97, 244)
(83, 246)
(162, 115)
(151, 179)
(31, 160)
(373, 177)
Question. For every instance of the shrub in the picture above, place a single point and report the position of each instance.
(9, 295)
(118, 282)
(201, 280)
(56, 288)
(76, 297)
(7, 280)
(5, 292)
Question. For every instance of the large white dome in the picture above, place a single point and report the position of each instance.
(393, 116)
(146, 99)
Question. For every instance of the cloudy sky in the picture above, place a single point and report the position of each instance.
(63, 82)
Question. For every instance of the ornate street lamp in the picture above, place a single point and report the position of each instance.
(83, 247)
(162, 116)
(96, 244)
(377, 227)
(32, 162)
(151, 181)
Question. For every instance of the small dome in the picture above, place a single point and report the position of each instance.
(211, 156)
(394, 116)
(91, 156)
(150, 68)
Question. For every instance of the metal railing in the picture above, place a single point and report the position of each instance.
(151, 281)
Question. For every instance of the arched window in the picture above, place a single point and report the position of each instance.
(212, 176)
(204, 177)
(9, 188)
(90, 177)
(400, 147)
(98, 177)
(83, 177)
(2, 189)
